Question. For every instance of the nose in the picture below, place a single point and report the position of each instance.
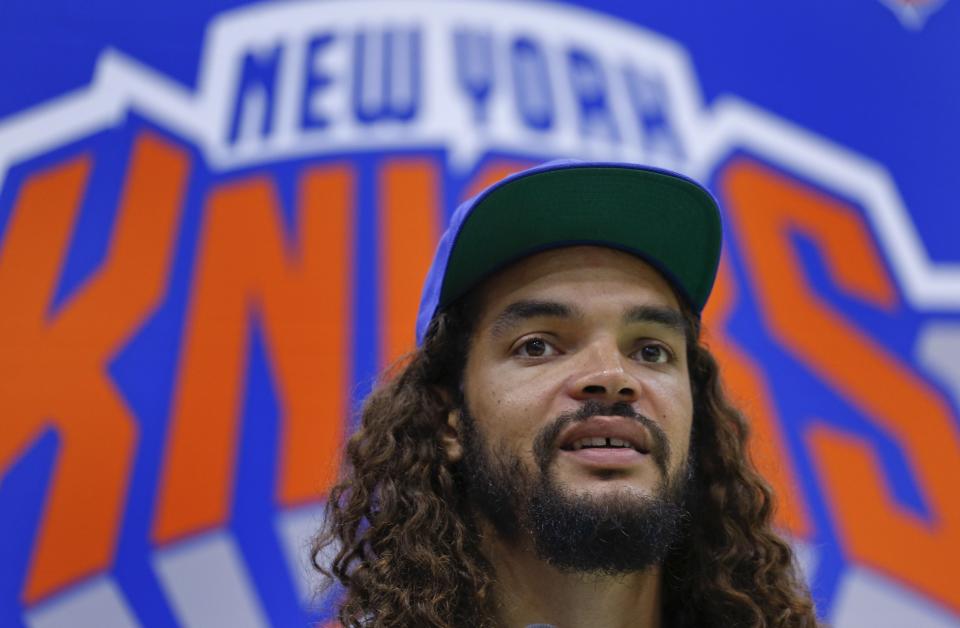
(603, 376)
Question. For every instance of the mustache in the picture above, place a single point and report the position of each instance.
(543, 446)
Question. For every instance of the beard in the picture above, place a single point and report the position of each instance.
(616, 532)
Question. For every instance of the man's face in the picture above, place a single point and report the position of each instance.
(577, 395)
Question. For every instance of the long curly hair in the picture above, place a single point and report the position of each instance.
(408, 546)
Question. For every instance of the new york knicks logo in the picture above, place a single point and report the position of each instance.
(199, 284)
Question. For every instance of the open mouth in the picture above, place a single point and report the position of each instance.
(601, 442)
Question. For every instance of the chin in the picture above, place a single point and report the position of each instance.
(599, 484)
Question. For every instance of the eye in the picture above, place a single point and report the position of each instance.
(654, 353)
(535, 347)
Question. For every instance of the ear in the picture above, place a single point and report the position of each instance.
(450, 437)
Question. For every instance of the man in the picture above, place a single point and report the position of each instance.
(558, 450)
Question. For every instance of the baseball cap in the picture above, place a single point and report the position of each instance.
(668, 220)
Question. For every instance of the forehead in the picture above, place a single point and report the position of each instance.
(587, 272)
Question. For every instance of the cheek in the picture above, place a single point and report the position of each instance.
(674, 412)
(508, 409)
(680, 446)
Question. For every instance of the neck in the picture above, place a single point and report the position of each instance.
(530, 591)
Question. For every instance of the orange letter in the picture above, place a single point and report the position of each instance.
(767, 208)
(747, 386)
(301, 294)
(409, 227)
(53, 368)
(410, 220)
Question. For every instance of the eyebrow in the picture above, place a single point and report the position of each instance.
(665, 316)
(527, 309)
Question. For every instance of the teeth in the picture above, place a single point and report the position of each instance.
(599, 441)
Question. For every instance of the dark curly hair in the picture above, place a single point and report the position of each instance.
(407, 543)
